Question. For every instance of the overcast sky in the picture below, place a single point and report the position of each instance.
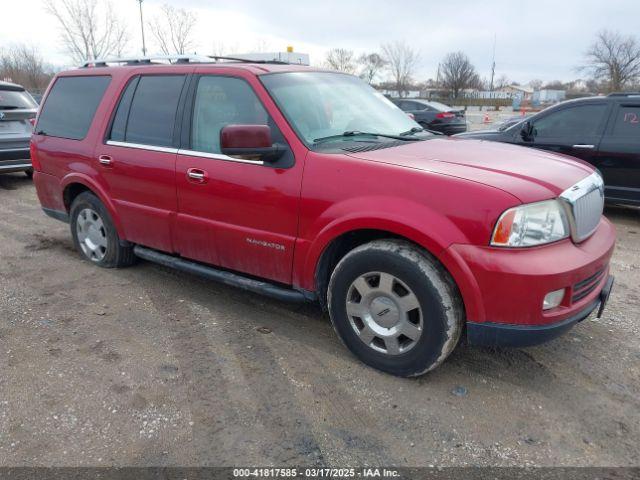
(535, 39)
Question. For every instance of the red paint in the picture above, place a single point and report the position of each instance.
(443, 194)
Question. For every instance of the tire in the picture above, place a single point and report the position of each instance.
(29, 173)
(386, 288)
(94, 235)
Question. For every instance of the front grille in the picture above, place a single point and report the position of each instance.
(586, 202)
(587, 211)
(586, 286)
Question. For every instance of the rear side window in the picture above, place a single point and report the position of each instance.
(147, 111)
(627, 122)
(15, 99)
(71, 105)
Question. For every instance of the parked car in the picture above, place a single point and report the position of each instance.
(434, 116)
(17, 112)
(308, 185)
(502, 125)
(604, 131)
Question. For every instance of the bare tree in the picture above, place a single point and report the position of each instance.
(90, 29)
(341, 59)
(615, 59)
(457, 73)
(23, 65)
(173, 30)
(220, 48)
(501, 82)
(536, 84)
(554, 85)
(371, 64)
(402, 61)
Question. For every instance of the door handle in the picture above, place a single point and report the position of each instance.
(105, 160)
(196, 175)
(584, 147)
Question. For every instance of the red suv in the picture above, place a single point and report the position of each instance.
(306, 184)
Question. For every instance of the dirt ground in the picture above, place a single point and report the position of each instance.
(146, 366)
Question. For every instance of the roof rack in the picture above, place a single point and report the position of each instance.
(169, 59)
(624, 94)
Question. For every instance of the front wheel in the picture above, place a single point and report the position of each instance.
(395, 307)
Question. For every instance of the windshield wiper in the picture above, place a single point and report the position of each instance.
(357, 133)
(412, 131)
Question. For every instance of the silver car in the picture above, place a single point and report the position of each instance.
(17, 111)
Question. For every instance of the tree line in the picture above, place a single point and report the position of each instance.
(91, 29)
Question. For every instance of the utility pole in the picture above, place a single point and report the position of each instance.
(493, 62)
(144, 47)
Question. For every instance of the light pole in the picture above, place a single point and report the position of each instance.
(144, 47)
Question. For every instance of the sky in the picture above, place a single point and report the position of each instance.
(539, 39)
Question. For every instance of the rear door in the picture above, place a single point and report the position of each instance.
(137, 160)
(619, 154)
(575, 130)
(246, 208)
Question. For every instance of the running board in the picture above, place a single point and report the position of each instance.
(223, 276)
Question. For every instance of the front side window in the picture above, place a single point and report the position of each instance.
(146, 113)
(71, 105)
(580, 120)
(222, 101)
(323, 104)
(627, 123)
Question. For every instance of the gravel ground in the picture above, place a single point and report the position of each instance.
(146, 366)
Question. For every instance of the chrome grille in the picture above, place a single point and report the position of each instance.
(584, 202)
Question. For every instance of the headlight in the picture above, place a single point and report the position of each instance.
(530, 225)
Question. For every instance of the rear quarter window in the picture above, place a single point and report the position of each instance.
(627, 122)
(71, 105)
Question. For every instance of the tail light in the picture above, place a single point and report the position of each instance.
(35, 162)
(445, 115)
(32, 121)
(411, 116)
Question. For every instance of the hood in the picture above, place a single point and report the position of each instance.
(528, 174)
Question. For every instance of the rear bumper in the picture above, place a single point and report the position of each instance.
(449, 129)
(497, 335)
(20, 153)
(15, 165)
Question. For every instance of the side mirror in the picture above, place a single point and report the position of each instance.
(252, 142)
(527, 132)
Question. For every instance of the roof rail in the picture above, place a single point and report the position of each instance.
(624, 94)
(168, 59)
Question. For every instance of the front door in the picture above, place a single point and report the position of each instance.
(237, 213)
(619, 155)
(574, 130)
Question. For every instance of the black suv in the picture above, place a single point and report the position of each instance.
(17, 111)
(604, 131)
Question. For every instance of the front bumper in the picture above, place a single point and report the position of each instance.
(496, 335)
(506, 287)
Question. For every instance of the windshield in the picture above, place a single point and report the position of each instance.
(12, 100)
(325, 104)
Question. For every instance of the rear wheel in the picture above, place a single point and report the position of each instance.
(395, 307)
(94, 235)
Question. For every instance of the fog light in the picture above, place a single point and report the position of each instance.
(552, 299)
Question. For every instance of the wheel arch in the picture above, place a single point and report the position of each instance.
(342, 238)
(75, 184)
